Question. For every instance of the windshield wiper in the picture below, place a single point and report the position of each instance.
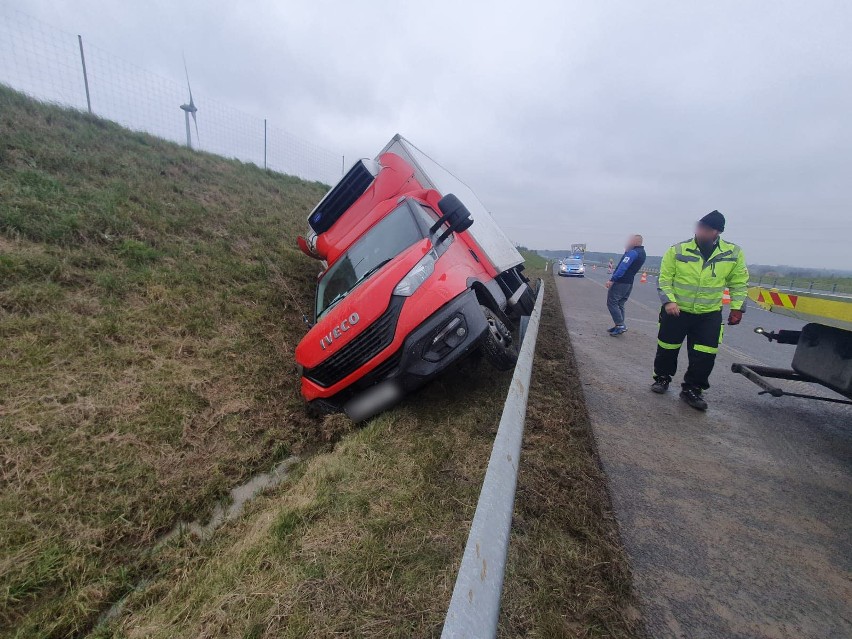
(336, 299)
(340, 296)
(370, 272)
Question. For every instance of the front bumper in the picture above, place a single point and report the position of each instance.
(433, 346)
(572, 273)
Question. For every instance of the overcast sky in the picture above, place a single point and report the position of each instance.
(573, 121)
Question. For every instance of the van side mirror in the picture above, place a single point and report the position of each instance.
(454, 214)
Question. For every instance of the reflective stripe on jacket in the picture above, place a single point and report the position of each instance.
(696, 284)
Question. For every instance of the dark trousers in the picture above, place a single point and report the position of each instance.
(616, 298)
(703, 333)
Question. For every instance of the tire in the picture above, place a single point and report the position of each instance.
(498, 344)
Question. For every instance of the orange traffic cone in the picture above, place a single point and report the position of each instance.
(644, 279)
(726, 297)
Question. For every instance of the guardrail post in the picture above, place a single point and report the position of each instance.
(475, 604)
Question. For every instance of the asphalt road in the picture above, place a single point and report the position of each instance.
(737, 521)
(741, 342)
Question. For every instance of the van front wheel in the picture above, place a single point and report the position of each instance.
(498, 345)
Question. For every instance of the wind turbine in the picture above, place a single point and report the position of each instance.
(188, 109)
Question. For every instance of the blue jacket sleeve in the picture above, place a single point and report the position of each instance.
(625, 262)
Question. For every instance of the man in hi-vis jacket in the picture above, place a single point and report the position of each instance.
(693, 277)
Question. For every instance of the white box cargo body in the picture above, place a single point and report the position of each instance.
(485, 231)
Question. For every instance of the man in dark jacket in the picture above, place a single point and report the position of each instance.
(620, 283)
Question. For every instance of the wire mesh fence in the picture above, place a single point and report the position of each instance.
(47, 63)
(840, 286)
(837, 285)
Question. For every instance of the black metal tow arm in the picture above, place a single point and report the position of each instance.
(759, 374)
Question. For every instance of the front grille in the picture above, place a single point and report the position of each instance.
(380, 372)
(360, 350)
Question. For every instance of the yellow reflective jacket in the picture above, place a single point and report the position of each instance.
(696, 284)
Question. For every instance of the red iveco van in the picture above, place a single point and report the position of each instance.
(416, 274)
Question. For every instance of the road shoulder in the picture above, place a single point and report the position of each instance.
(736, 521)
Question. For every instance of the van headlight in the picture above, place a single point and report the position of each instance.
(417, 275)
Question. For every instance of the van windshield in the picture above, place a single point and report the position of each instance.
(387, 239)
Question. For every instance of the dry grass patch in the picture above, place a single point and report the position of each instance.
(568, 574)
(365, 541)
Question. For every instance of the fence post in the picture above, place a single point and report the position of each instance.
(85, 75)
(342, 164)
(264, 144)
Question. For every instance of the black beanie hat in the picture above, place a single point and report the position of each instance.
(714, 220)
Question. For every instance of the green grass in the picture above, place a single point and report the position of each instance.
(533, 260)
(150, 303)
(365, 541)
(147, 337)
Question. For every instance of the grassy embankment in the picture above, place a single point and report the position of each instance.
(147, 329)
(147, 339)
(364, 541)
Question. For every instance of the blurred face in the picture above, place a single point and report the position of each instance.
(705, 235)
(633, 240)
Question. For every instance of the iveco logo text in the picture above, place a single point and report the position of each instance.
(337, 331)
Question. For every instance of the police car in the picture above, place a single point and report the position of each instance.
(572, 267)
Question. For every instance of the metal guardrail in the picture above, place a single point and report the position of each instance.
(475, 605)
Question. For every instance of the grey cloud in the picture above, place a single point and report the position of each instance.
(574, 121)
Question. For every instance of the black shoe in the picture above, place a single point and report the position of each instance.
(692, 396)
(660, 385)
